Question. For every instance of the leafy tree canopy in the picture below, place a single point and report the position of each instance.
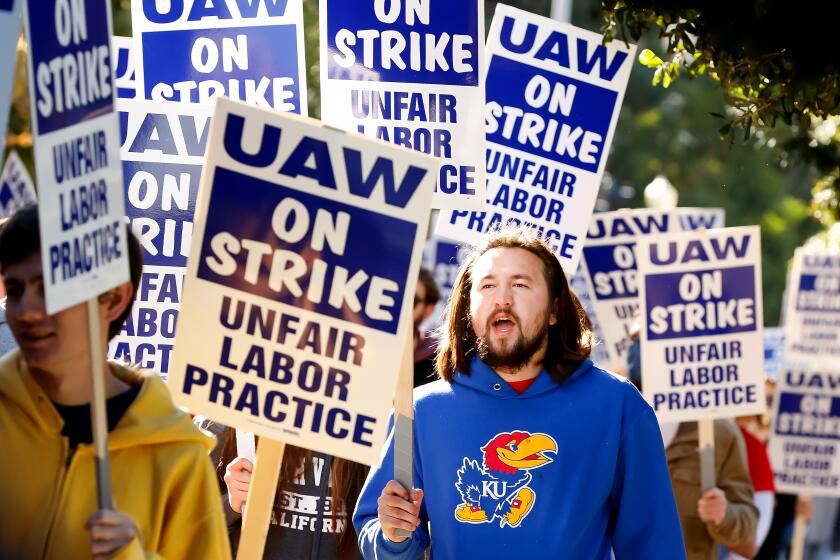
(775, 61)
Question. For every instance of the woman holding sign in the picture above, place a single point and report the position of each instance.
(310, 513)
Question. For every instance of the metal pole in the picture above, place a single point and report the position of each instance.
(561, 10)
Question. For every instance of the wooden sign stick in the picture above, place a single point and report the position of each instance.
(404, 421)
(98, 410)
(706, 449)
(257, 515)
(797, 543)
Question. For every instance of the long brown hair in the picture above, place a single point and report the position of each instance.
(347, 480)
(569, 340)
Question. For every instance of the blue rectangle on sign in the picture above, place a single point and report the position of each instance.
(611, 279)
(452, 29)
(71, 63)
(570, 139)
(160, 202)
(722, 295)
(7, 5)
(446, 264)
(818, 292)
(241, 62)
(794, 419)
(807, 282)
(376, 247)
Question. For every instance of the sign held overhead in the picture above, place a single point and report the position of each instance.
(410, 73)
(553, 98)
(195, 51)
(77, 160)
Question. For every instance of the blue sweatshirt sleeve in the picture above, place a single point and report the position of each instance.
(372, 541)
(645, 519)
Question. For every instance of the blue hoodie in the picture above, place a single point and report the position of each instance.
(571, 470)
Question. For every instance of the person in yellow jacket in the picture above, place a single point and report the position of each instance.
(166, 498)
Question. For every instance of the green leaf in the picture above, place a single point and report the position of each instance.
(674, 69)
(648, 58)
(657, 77)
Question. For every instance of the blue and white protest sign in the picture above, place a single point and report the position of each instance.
(553, 97)
(123, 61)
(774, 351)
(804, 444)
(411, 72)
(77, 149)
(9, 32)
(701, 339)
(609, 265)
(299, 290)
(195, 51)
(577, 282)
(812, 316)
(443, 259)
(695, 219)
(162, 153)
(16, 187)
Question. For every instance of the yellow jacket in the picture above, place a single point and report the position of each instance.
(160, 473)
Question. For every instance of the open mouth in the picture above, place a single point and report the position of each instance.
(502, 323)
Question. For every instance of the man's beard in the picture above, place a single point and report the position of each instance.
(517, 356)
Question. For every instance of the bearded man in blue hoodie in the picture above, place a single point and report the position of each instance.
(523, 449)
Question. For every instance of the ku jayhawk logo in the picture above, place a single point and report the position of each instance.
(499, 488)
